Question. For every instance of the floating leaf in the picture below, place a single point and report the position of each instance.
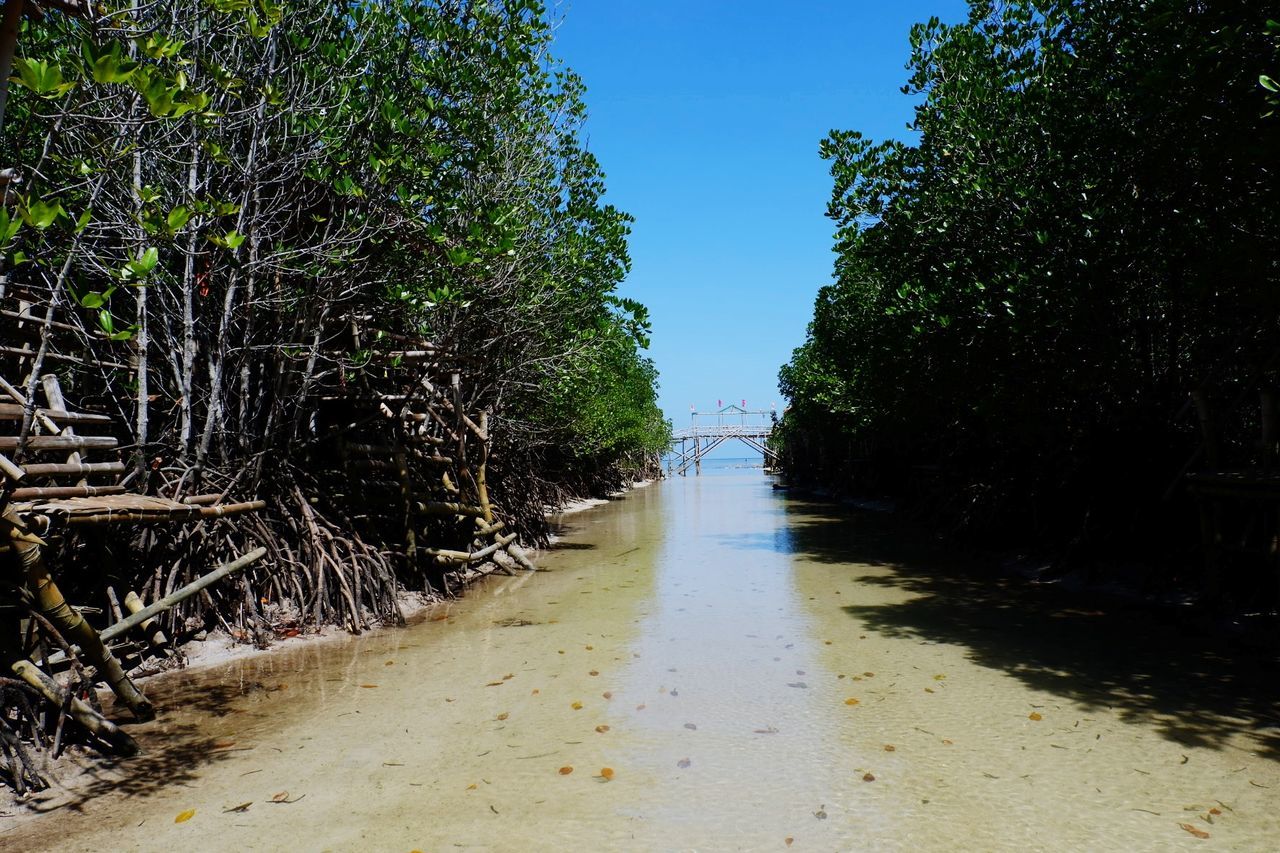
(1194, 830)
(183, 817)
(606, 773)
(867, 777)
(607, 695)
(1215, 810)
(503, 716)
(602, 728)
(390, 663)
(869, 674)
(852, 701)
(589, 648)
(508, 676)
(928, 690)
(535, 692)
(788, 841)
(888, 747)
(280, 797)
(577, 706)
(947, 742)
(566, 770)
(1035, 716)
(593, 672)
(683, 763)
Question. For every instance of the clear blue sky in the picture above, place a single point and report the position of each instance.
(706, 116)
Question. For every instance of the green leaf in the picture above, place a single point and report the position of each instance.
(8, 228)
(1268, 83)
(41, 77)
(41, 214)
(177, 218)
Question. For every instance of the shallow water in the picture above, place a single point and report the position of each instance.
(757, 672)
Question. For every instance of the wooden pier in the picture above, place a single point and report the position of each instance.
(709, 430)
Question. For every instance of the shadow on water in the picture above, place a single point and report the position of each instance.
(1154, 667)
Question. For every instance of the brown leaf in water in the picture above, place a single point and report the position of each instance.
(241, 809)
(888, 747)
(607, 695)
(939, 677)
(683, 763)
(606, 773)
(577, 706)
(224, 744)
(1215, 810)
(368, 686)
(1035, 716)
(503, 716)
(508, 676)
(641, 707)
(851, 701)
(928, 690)
(602, 728)
(566, 770)
(589, 648)
(495, 684)
(693, 727)
(472, 786)
(869, 674)
(867, 777)
(947, 742)
(1194, 830)
(535, 692)
(183, 817)
(788, 841)
(280, 796)
(390, 663)
(593, 672)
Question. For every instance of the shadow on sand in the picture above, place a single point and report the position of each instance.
(1155, 667)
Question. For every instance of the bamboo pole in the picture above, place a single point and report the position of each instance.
(448, 556)
(97, 724)
(51, 603)
(149, 627)
(182, 594)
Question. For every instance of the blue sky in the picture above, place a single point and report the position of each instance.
(706, 117)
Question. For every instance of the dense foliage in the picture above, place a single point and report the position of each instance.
(1085, 232)
(233, 191)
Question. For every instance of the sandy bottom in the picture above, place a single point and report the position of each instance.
(709, 665)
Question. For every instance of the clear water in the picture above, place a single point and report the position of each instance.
(716, 635)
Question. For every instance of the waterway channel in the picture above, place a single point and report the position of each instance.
(710, 664)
